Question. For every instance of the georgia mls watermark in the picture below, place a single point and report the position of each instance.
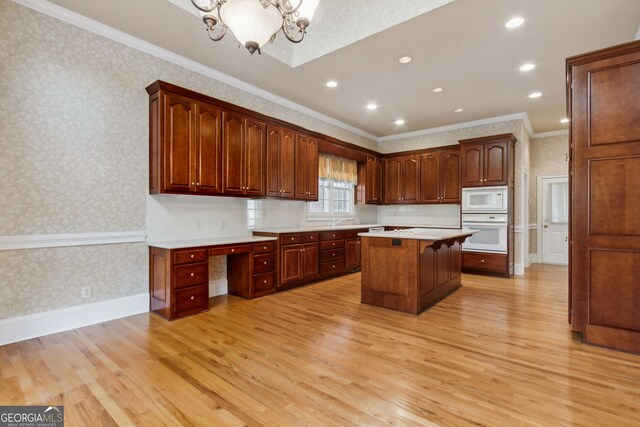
(31, 416)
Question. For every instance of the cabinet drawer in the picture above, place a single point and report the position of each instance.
(331, 235)
(229, 250)
(192, 300)
(331, 254)
(310, 237)
(331, 266)
(190, 255)
(290, 239)
(264, 282)
(350, 234)
(192, 274)
(262, 263)
(264, 247)
(332, 244)
(484, 261)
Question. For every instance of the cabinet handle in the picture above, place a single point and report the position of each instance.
(192, 298)
(192, 274)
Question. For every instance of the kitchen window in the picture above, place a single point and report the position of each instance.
(336, 196)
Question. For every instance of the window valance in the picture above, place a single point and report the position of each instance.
(338, 169)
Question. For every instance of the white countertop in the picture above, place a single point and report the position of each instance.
(179, 244)
(421, 233)
(308, 228)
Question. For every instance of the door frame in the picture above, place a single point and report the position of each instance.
(539, 212)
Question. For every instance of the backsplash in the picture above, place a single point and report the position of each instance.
(424, 215)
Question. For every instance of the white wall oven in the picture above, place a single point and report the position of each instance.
(485, 200)
(492, 232)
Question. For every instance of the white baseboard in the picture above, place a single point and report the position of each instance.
(518, 269)
(218, 287)
(50, 322)
(533, 258)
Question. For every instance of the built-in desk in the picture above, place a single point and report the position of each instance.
(179, 272)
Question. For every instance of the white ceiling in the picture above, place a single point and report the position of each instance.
(461, 46)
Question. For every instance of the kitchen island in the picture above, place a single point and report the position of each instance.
(410, 270)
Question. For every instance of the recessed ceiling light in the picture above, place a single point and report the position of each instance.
(437, 90)
(405, 59)
(399, 122)
(371, 106)
(514, 22)
(535, 95)
(332, 83)
(527, 67)
(565, 120)
(458, 110)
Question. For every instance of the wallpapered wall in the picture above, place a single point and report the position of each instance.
(73, 156)
(548, 157)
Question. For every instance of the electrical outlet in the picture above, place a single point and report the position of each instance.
(199, 225)
(85, 292)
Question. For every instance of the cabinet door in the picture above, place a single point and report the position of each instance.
(310, 260)
(352, 253)
(472, 165)
(378, 192)
(392, 180)
(450, 177)
(287, 163)
(373, 180)
(495, 164)
(232, 153)
(255, 145)
(410, 179)
(430, 178)
(312, 169)
(179, 144)
(301, 172)
(209, 149)
(274, 146)
(290, 264)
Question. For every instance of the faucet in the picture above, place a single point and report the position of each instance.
(336, 221)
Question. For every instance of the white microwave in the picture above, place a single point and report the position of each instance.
(485, 200)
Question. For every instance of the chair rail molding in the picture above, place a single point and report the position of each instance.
(38, 241)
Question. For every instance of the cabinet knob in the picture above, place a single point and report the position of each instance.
(481, 260)
(333, 254)
(293, 238)
(193, 274)
(264, 281)
(265, 248)
(333, 266)
(193, 256)
(192, 298)
(197, 183)
(265, 263)
(233, 250)
(311, 237)
(193, 183)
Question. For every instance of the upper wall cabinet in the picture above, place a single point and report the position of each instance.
(306, 167)
(244, 151)
(487, 161)
(373, 180)
(185, 145)
(440, 177)
(402, 179)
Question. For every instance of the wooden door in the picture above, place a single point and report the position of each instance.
(411, 179)
(255, 147)
(430, 178)
(495, 164)
(605, 196)
(274, 146)
(472, 165)
(287, 163)
(290, 264)
(233, 162)
(352, 253)
(179, 144)
(312, 169)
(373, 180)
(209, 149)
(450, 177)
(310, 260)
(378, 182)
(393, 180)
(301, 174)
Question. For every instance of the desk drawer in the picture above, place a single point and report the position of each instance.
(229, 250)
(331, 266)
(350, 234)
(192, 300)
(290, 239)
(192, 274)
(310, 237)
(331, 235)
(332, 244)
(264, 282)
(264, 263)
(264, 247)
(485, 261)
(331, 254)
(190, 255)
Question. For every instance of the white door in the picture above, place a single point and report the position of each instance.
(555, 220)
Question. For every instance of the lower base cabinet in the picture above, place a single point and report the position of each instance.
(486, 263)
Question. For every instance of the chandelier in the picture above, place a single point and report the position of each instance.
(256, 22)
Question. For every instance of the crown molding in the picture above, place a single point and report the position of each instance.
(39, 241)
(118, 36)
(548, 134)
(518, 116)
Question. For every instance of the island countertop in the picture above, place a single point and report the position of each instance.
(421, 234)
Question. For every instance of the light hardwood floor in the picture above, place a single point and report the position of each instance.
(496, 352)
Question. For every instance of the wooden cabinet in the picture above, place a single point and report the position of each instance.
(487, 161)
(440, 177)
(402, 179)
(352, 253)
(298, 262)
(306, 167)
(243, 155)
(184, 145)
(373, 181)
(280, 161)
(604, 162)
